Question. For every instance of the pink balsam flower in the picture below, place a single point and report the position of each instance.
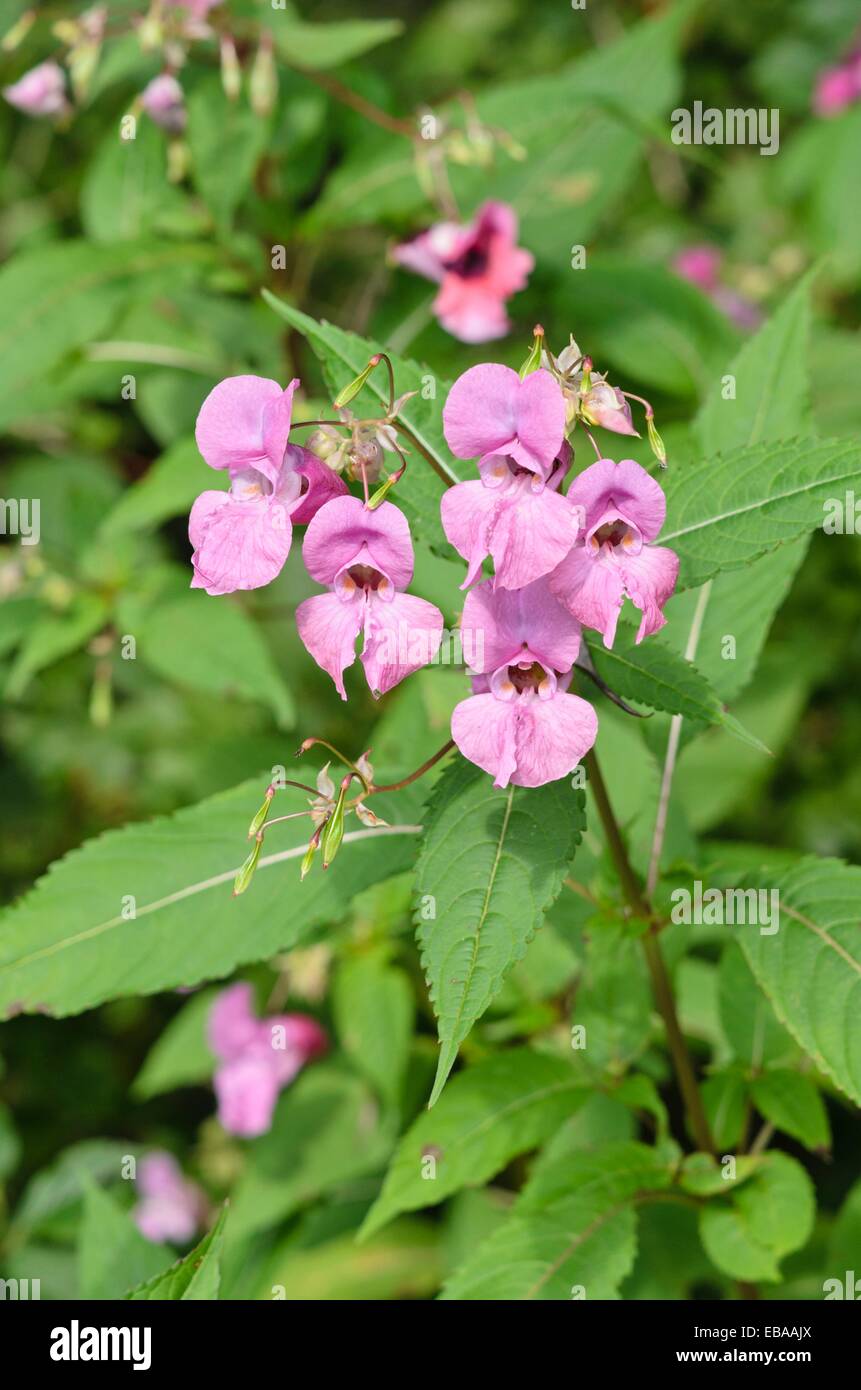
(171, 1207)
(242, 537)
(366, 558)
(624, 510)
(163, 101)
(259, 1057)
(478, 267)
(838, 87)
(521, 725)
(40, 92)
(515, 513)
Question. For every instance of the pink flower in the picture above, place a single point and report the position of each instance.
(699, 265)
(836, 88)
(514, 513)
(478, 267)
(163, 101)
(242, 537)
(366, 557)
(197, 9)
(624, 510)
(259, 1057)
(605, 405)
(170, 1207)
(40, 92)
(520, 724)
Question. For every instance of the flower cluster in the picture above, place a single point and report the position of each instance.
(561, 559)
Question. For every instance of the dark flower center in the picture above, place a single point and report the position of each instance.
(528, 679)
(612, 533)
(471, 264)
(365, 576)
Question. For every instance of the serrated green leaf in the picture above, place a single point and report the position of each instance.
(790, 1100)
(746, 1015)
(764, 1219)
(653, 674)
(491, 863)
(725, 512)
(72, 942)
(574, 1229)
(500, 1107)
(810, 968)
(195, 1277)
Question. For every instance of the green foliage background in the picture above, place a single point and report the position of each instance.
(556, 1168)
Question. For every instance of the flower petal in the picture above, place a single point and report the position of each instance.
(480, 413)
(526, 533)
(540, 422)
(244, 423)
(237, 545)
(592, 589)
(498, 624)
(329, 626)
(343, 526)
(401, 635)
(485, 731)
(321, 485)
(232, 1025)
(625, 485)
(650, 578)
(247, 1090)
(552, 737)
(470, 311)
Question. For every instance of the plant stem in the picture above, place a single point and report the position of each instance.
(396, 125)
(419, 772)
(661, 986)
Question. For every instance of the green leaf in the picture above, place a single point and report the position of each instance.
(502, 1106)
(653, 674)
(491, 864)
(53, 1191)
(326, 1131)
(125, 189)
(746, 1016)
(613, 1001)
(227, 140)
(764, 1219)
(167, 489)
(72, 942)
(571, 1234)
(791, 1101)
(323, 46)
(209, 644)
(195, 1277)
(404, 1263)
(54, 299)
(180, 1056)
(113, 1255)
(845, 1239)
(810, 968)
(374, 1008)
(724, 1096)
(702, 1175)
(53, 636)
(343, 356)
(725, 512)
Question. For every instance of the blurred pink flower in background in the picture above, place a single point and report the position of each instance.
(701, 266)
(40, 92)
(171, 1207)
(478, 267)
(259, 1057)
(163, 101)
(838, 86)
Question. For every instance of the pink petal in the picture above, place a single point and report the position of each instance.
(321, 484)
(329, 626)
(540, 422)
(338, 532)
(526, 533)
(650, 578)
(527, 742)
(247, 1090)
(480, 413)
(470, 311)
(40, 92)
(173, 1219)
(159, 1175)
(233, 1025)
(244, 423)
(498, 624)
(624, 485)
(401, 635)
(592, 588)
(238, 545)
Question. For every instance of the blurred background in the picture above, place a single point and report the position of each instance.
(131, 286)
